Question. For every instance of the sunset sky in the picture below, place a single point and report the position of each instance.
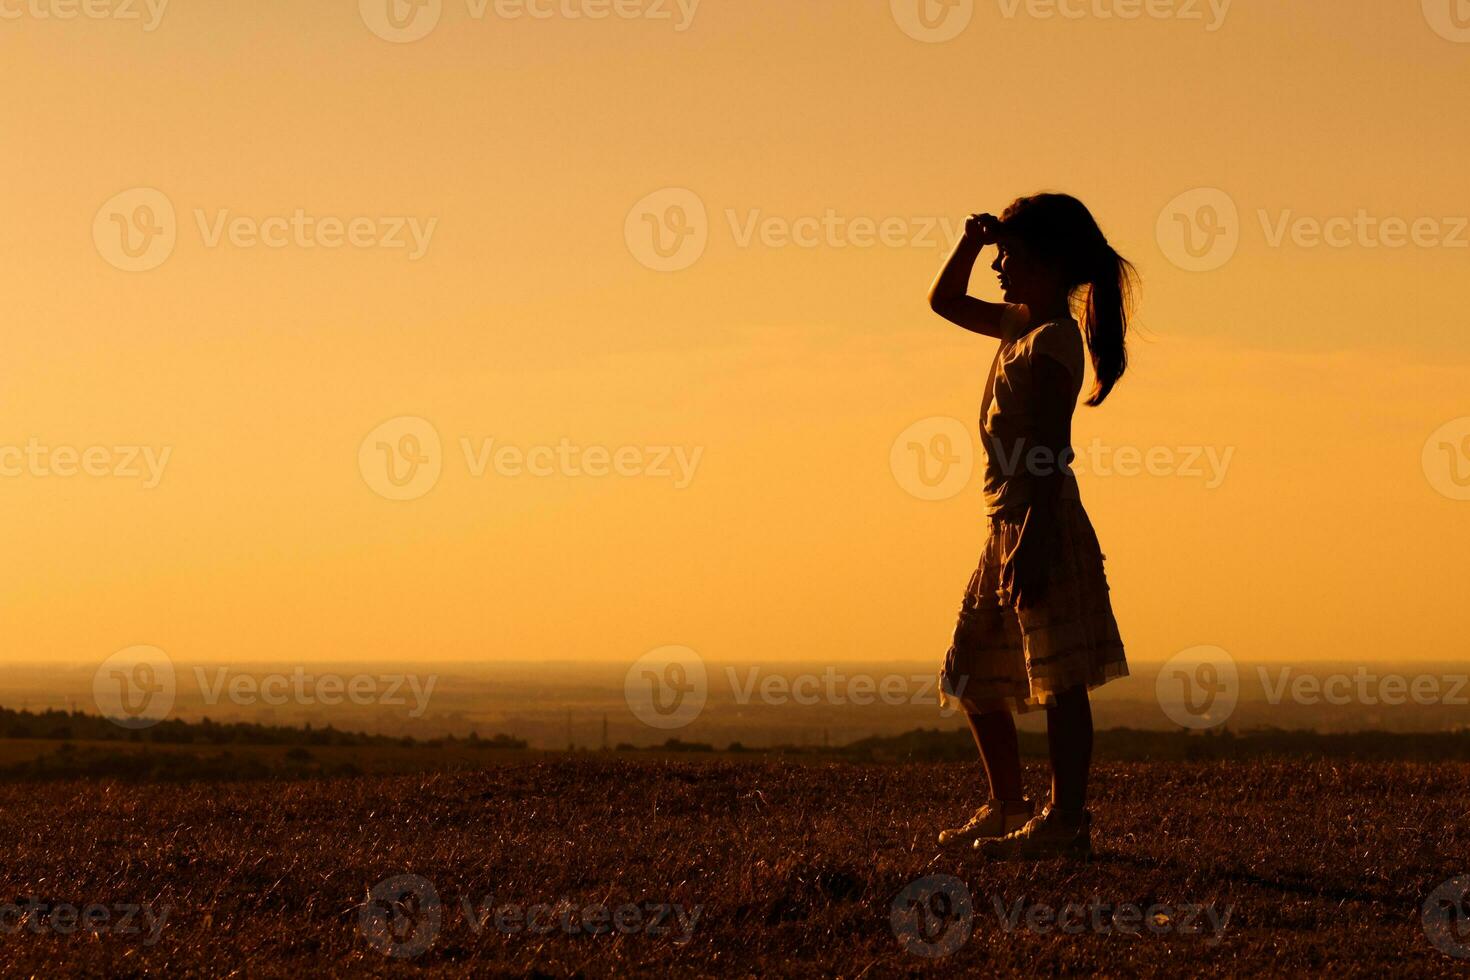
(777, 375)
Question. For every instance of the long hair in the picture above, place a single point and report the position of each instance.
(1063, 234)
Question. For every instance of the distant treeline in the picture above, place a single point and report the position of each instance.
(920, 745)
(69, 726)
(1133, 745)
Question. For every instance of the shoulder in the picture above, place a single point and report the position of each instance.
(1060, 340)
(1013, 321)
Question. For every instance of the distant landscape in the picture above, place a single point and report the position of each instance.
(52, 745)
(557, 706)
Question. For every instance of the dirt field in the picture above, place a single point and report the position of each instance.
(603, 867)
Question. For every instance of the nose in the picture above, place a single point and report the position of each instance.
(996, 264)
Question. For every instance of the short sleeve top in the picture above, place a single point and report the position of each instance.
(1008, 412)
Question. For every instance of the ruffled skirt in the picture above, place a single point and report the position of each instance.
(1003, 657)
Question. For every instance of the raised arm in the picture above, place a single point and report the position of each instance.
(949, 296)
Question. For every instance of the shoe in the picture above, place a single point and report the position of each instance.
(1051, 833)
(993, 820)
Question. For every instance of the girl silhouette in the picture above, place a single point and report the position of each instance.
(1036, 627)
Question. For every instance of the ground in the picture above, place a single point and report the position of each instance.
(785, 869)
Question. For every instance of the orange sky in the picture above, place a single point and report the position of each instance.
(518, 148)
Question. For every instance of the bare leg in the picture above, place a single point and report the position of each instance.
(1000, 751)
(1069, 742)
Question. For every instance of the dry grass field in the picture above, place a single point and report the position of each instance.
(603, 867)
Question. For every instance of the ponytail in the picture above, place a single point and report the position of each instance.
(1105, 320)
(1061, 230)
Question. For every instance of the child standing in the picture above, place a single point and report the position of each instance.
(1036, 627)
